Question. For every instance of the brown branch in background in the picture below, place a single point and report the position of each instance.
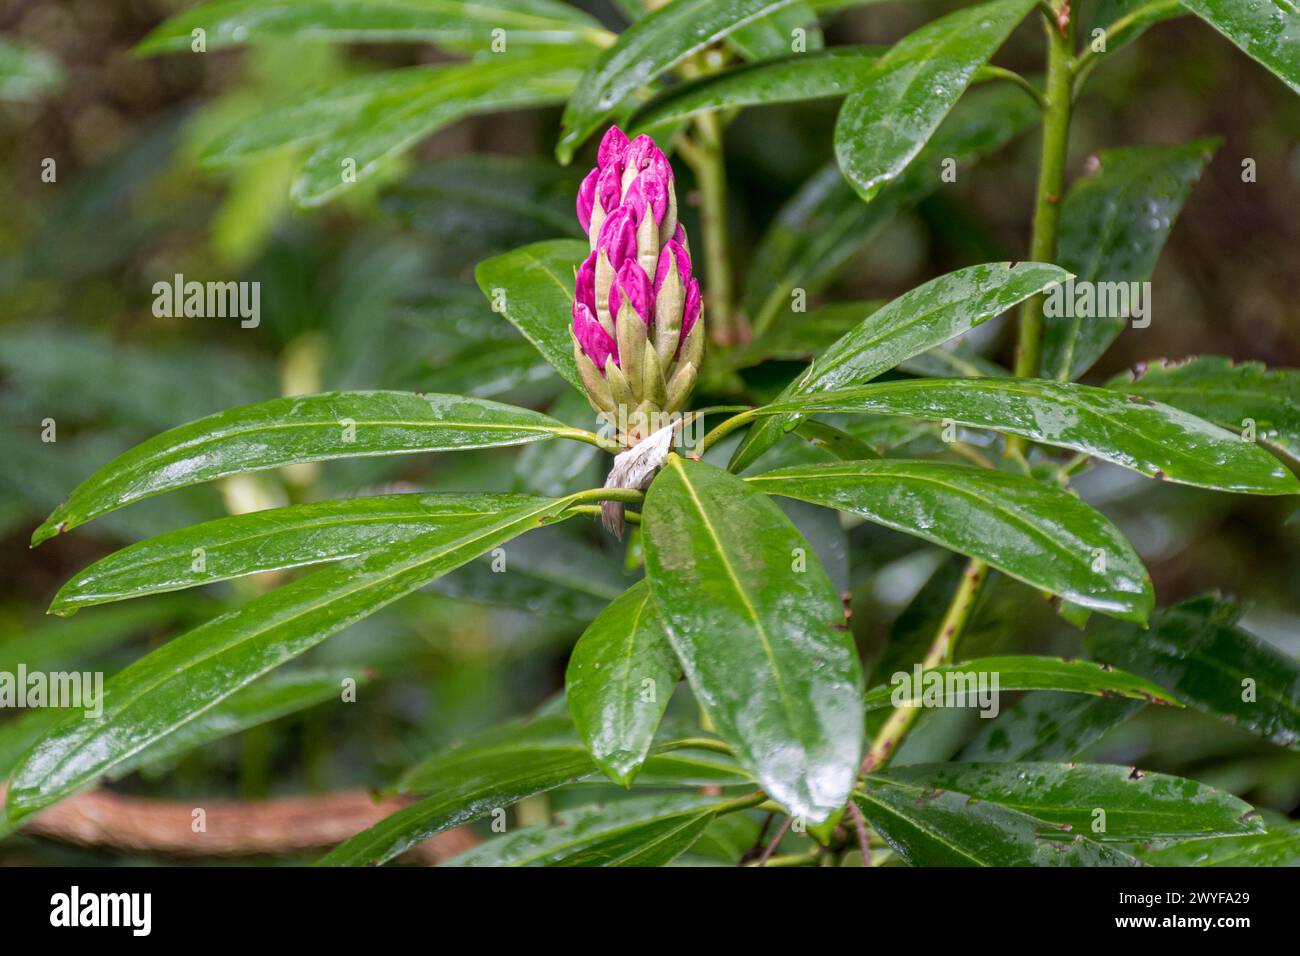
(283, 826)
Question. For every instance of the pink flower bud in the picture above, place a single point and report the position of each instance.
(633, 285)
(647, 190)
(618, 237)
(595, 342)
(672, 254)
(587, 199)
(612, 147)
(691, 312)
(642, 154)
(628, 208)
(609, 188)
(584, 292)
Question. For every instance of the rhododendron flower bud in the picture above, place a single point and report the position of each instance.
(638, 337)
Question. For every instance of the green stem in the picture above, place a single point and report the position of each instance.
(607, 494)
(699, 743)
(941, 651)
(1051, 184)
(726, 428)
(1011, 76)
(591, 438)
(711, 176)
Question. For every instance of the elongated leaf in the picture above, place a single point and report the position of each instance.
(287, 431)
(533, 288)
(1048, 726)
(789, 79)
(1137, 804)
(1136, 433)
(312, 116)
(1198, 651)
(651, 45)
(277, 695)
(553, 741)
(494, 771)
(817, 232)
(948, 828)
(272, 540)
(1113, 226)
(1234, 396)
(645, 831)
(898, 106)
(758, 628)
(1268, 31)
(378, 130)
(774, 35)
(954, 684)
(1035, 532)
(620, 678)
(459, 22)
(909, 325)
(1279, 846)
(165, 690)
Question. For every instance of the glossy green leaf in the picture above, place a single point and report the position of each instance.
(773, 35)
(178, 682)
(644, 831)
(758, 628)
(374, 132)
(656, 42)
(1113, 225)
(1246, 398)
(948, 828)
(533, 288)
(788, 79)
(1133, 432)
(1137, 804)
(312, 116)
(1035, 532)
(493, 771)
(898, 106)
(1278, 846)
(272, 540)
(277, 695)
(286, 431)
(552, 741)
(1045, 725)
(942, 684)
(619, 681)
(909, 325)
(1268, 31)
(819, 229)
(1198, 651)
(459, 22)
